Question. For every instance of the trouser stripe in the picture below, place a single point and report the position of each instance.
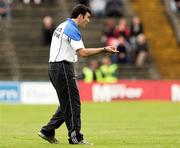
(69, 96)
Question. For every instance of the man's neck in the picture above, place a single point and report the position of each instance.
(76, 21)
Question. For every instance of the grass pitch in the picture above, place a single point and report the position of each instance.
(107, 125)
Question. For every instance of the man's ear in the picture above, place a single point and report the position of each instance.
(80, 16)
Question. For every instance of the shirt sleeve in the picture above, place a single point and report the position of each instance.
(74, 36)
(77, 44)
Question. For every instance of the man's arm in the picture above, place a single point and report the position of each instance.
(85, 52)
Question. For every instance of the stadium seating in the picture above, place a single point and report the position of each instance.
(27, 58)
(24, 56)
(164, 47)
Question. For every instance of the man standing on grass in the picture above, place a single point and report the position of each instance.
(66, 45)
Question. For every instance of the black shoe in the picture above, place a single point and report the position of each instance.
(51, 140)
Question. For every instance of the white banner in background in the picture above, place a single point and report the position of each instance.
(38, 93)
(175, 93)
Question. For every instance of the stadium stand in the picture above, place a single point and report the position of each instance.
(25, 58)
(162, 40)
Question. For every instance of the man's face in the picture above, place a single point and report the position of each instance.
(85, 19)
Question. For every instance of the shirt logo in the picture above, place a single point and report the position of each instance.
(57, 32)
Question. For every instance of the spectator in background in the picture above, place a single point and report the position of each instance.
(47, 30)
(136, 26)
(108, 31)
(122, 29)
(108, 70)
(98, 7)
(4, 9)
(124, 48)
(141, 51)
(175, 5)
(84, 2)
(136, 29)
(114, 8)
(92, 72)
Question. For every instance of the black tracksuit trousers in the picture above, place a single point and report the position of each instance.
(62, 77)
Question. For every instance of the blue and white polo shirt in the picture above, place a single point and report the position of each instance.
(66, 40)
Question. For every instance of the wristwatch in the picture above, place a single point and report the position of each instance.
(105, 49)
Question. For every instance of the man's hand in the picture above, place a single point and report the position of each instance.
(110, 49)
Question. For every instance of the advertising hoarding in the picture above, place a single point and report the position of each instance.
(9, 92)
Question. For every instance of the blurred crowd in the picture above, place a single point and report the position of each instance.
(130, 40)
(131, 43)
(127, 36)
(100, 71)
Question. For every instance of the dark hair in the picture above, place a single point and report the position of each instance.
(79, 9)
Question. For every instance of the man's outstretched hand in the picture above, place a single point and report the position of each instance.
(111, 49)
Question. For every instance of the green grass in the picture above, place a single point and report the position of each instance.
(107, 125)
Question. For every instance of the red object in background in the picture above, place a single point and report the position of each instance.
(128, 90)
(85, 90)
